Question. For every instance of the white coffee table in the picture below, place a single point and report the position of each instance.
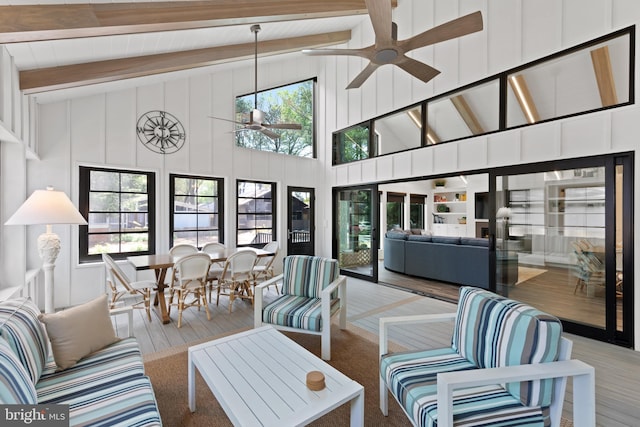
(259, 379)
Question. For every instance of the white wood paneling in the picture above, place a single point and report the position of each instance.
(504, 23)
(471, 155)
(545, 14)
(422, 162)
(503, 149)
(583, 20)
(625, 129)
(584, 136)
(88, 130)
(149, 98)
(176, 102)
(120, 134)
(402, 165)
(538, 142)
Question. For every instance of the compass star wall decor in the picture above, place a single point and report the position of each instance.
(160, 132)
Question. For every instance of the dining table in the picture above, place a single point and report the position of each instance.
(161, 263)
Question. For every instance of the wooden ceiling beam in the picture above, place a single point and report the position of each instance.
(521, 91)
(467, 114)
(604, 76)
(63, 21)
(67, 76)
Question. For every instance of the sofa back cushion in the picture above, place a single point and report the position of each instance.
(16, 386)
(307, 276)
(493, 331)
(25, 334)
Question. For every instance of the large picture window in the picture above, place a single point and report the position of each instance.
(256, 213)
(197, 207)
(119, 208)
(292, 103)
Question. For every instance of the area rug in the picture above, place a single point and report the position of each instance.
(527, 273)
(354, 352)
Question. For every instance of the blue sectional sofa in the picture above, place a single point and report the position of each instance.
(459, 260)
(108, 387)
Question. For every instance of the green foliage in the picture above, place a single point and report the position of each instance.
(287, 104)
(353, 144)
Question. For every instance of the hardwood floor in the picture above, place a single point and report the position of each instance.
(617, 373)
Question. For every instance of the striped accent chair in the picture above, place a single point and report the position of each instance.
(489, 332)
(312, 293)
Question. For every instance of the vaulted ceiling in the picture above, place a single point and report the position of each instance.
(66, 45)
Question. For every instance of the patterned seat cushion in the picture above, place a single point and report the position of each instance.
(25, 334)
(307, 276)
(493, 331)
(16, 386)
(126, 402)
(412, 378)
(120, 360)
(297, 312)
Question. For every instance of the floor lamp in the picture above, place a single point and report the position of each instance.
(47, 207)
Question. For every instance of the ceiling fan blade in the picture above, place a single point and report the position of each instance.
(364, 75)
(449, 30)
(417, 69)
(227, 120)
(269, 133)
(380, 14)
(363, 52)
(294, 126)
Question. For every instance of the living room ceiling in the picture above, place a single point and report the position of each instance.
(70, 45)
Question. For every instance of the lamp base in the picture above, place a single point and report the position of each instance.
(48, 248)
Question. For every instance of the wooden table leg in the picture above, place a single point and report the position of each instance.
(159, 299)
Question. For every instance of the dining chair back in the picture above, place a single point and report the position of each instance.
(263, 270)
(237, 275)
(120, 285)
(215, 271)
(190, 280)
(177, 251)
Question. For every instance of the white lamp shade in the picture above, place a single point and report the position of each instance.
(47, 207)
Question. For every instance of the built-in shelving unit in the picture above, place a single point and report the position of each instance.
(449, 211)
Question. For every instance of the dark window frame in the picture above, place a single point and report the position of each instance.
(273, 212)
(83, 202)
(502, 80)
(220, 212)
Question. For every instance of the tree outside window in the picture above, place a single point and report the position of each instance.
(286, 104)
(119, 207)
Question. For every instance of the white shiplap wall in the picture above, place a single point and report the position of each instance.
(516, 32)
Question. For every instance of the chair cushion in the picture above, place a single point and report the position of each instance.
(24, 333)
(79, 331)
(297, 312)
(117, 361)
(412, 379)
(124, 402)
(493, 331)
(16, 386)
(307, 276)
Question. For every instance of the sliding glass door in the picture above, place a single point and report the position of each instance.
(355, 242)
(562, 241)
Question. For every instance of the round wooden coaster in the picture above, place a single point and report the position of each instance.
(315, 380)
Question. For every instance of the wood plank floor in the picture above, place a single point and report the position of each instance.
(617, 368)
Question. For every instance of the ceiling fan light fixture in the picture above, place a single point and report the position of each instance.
(386, 56)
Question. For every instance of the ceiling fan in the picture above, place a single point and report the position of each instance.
(389, 50)
(256, 118)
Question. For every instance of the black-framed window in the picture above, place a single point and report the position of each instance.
(256, 213)
(395, 210)
(593, 76)
(416, 211)
(119, 206)
(196, 210)
(289, 104)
